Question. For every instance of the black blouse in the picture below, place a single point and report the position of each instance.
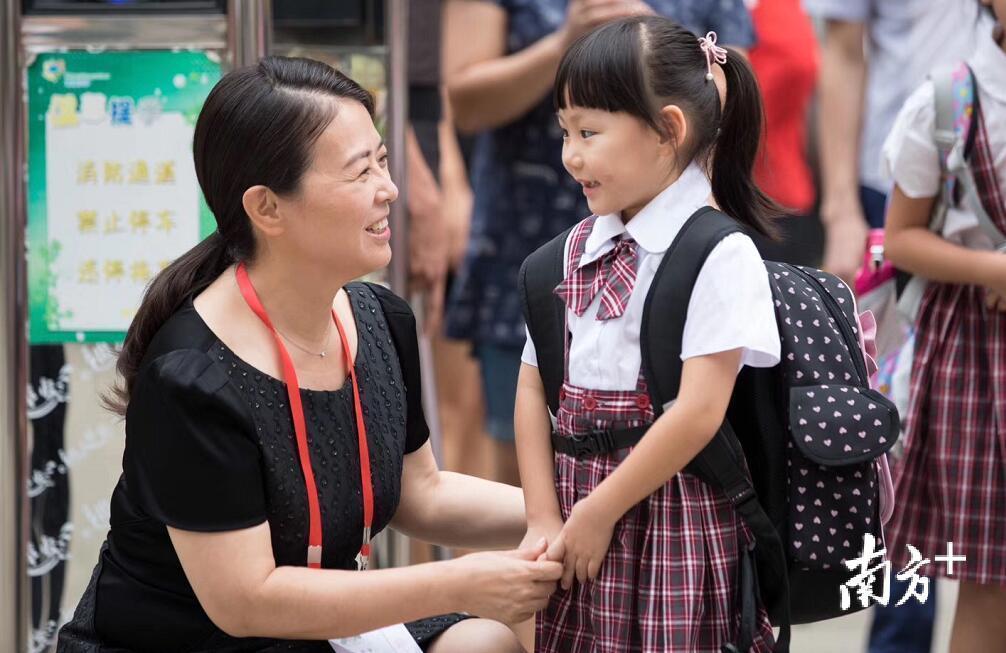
(210, 446)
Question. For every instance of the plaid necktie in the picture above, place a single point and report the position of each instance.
(612, 275)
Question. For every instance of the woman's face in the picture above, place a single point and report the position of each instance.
(339, 214)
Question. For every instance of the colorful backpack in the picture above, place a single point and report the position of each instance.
(799, 455)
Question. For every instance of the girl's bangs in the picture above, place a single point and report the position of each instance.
(604, 71)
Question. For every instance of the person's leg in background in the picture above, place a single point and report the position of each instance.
(978, 622)
(459, 394)
(459, 387)
(907, 628)
(427, 231)
(500, 366)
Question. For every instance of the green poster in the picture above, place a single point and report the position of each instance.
(112, 191)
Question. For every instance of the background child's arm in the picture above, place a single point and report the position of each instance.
(535, 456)
(911, 246)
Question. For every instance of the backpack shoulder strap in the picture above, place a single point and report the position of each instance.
(721, 463)
(666, 304)
(966, 106)
(944, 132)
(967, 115)
(956, 104)
(544, 312)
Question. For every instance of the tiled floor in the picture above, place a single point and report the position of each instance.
(849, 634)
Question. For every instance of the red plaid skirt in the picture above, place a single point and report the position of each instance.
(667, 584)
(950, 486)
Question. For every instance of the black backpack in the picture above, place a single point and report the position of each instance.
(797, 453)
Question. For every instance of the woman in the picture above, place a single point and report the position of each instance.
(234, 480)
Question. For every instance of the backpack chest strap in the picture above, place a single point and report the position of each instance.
(598, 442)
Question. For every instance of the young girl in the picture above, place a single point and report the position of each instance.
(649, 113)
(952, 481)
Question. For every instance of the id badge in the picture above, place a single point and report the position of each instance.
(393, 639)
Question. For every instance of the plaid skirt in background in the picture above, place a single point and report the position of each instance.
(951, 482)
(950, 485)
(668, 582)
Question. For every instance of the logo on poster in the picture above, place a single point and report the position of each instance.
(53, 69)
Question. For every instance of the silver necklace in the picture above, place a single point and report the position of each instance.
(293, 342)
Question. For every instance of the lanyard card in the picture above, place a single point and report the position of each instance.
(393, 639)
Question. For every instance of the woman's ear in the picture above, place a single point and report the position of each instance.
(262, 208)
(675, 126)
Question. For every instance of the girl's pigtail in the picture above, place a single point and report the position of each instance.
(736, 147)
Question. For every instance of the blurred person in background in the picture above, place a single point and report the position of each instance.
(785, 61)
(424, 200)
(439, 204)
(505, 54)
(438, 238)
(427, 224)
(952, 485)
(874, 54)
(466, 448)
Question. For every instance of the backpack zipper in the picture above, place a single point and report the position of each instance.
(851, 341)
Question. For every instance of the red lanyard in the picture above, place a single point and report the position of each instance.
(300, 429)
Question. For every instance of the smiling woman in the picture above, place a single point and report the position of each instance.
(251, 453)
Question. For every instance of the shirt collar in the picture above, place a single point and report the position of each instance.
(657, 224)
(989, 64)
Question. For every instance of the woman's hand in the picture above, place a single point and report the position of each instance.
(582, 16)
(582, 543)
(508, 586)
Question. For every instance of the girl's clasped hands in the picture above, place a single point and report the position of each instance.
(580, 543)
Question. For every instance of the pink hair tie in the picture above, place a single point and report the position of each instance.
(713, 52)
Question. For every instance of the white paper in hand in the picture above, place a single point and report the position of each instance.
(393, 639)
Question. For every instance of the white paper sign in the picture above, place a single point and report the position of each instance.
(393, 639)
(122, 201)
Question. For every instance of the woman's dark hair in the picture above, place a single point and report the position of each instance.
(257, 127)
(639, 65)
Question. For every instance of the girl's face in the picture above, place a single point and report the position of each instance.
(621, 162)
(339, 214)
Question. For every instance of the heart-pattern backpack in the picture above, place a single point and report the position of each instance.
(801, 453)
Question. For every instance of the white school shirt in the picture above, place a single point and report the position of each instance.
(731, 305)
(911, 159)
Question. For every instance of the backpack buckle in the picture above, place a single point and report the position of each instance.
(740, 496)
(592, 444)
(583, 445)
